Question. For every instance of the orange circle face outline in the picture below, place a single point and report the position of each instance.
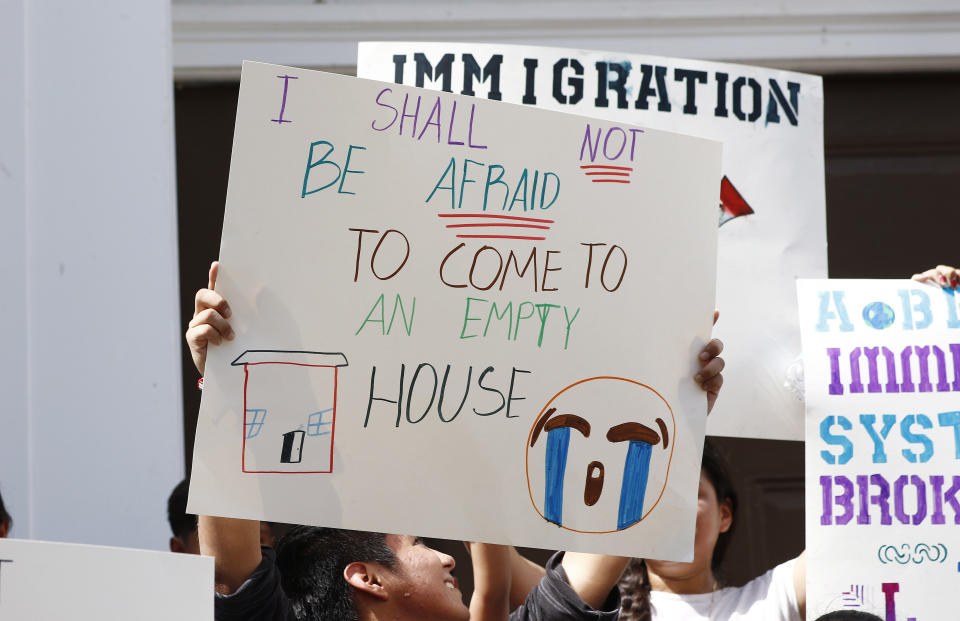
(526, 458)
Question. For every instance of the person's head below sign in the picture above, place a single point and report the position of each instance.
(849, 615)
(332, 574)
(183, 525)
(6, 522)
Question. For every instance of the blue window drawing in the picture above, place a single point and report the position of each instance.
(316, 426)
(254, 422)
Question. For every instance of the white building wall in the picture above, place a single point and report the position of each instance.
(90, 325)
(14, 475)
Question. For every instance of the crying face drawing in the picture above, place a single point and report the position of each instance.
(598, 456)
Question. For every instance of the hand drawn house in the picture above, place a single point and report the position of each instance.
(290, 410)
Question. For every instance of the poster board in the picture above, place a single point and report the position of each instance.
(44, 581)
(882, 373)
(422, 351)
(771, 209)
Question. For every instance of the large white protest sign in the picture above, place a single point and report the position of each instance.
(771, 208)
(882, 368)
(43, 581)
(462, 320)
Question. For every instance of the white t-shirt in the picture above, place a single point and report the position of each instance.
(771, 597)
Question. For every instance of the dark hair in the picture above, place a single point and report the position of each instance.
(181, 522)
(311, 561)
(635, 581)
(635, 592)
(715, 468)
(4, 516)
(849, 615)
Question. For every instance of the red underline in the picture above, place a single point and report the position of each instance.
(498, 237)
(610, 174)
(610, 180)
(491, 215)
(609, 167)
(525, 226)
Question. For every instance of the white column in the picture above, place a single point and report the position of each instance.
(94, 372)
(14, 472)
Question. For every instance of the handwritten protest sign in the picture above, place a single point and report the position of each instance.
(882, 374)
(770, 208)
(44, 581)
(458, 318)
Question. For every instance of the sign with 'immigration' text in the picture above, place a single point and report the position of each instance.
(769, 206)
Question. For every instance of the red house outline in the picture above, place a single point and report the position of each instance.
(318, 359)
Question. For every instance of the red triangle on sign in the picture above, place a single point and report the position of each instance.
(731, 201)
(732, 204)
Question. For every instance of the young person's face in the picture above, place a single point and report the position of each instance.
(713, 517)
(421, 584)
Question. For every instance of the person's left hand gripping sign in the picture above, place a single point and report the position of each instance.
(605, 445)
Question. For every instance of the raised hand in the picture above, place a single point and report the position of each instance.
(209, 323)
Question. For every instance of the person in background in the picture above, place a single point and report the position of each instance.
(6, 522)
(661, 590)
(849, 615)
(267, 537)
(693, 591)
(183, 525)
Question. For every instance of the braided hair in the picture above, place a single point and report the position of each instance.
(635, 591)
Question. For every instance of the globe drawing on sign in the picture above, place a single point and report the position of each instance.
(878, 315)
(598, 455)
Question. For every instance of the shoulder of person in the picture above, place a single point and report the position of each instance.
(773, 591)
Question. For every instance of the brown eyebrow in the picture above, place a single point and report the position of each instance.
(564, 420)
(570, 420)
(633, 431)
(539, 426)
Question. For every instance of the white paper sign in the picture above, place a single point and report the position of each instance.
(882, 366)
(458, 318)
(43, 581)
(772, 212)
